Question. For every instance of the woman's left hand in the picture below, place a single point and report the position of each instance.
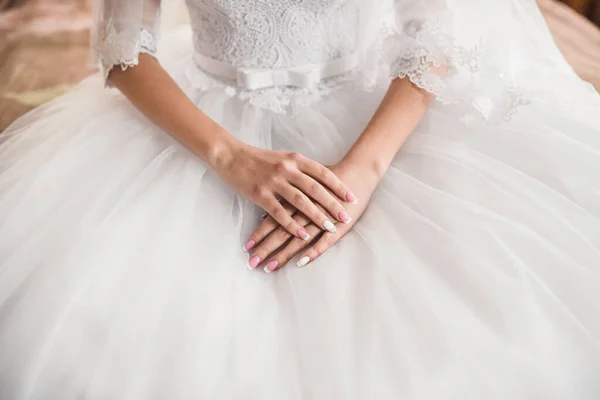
(265, 244)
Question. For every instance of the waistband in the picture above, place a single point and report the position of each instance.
(305, 76)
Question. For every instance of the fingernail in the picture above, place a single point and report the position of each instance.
(329, 226)
(249, 245)
(303, 261)
(344, 217)
(303, 234)
(271, 266)
(253, 262)
(351, 198)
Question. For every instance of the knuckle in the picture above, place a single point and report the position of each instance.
(319, 250)
(324, 173)
(333, 204)
(283, 167)
(256, 235)
(274, 179)
(319, 217)
(257, 191)
(263, 198)
(280, 166)
(330, 240)
(295, 156)
(313, 188)
(298, 199)
(290, 225)
(277, 213)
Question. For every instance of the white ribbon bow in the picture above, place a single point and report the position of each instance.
(303, 77)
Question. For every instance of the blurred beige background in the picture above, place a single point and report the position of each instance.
(44, 46)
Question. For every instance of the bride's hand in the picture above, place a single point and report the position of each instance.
(270, 236)
(265, 176)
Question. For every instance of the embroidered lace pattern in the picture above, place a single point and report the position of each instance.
(275, 34)
(422, 52)
(116, 48)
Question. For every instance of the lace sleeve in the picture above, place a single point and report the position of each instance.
(122, 30)
(456, 50)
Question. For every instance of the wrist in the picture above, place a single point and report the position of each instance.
(373, 166)
(221, 152)
(217, 147)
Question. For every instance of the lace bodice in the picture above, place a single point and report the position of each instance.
(274, 34)
(284, 54)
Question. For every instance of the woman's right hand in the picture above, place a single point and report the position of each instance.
(263, 176)
(266, 176)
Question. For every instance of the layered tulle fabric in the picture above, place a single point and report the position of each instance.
(474, 273)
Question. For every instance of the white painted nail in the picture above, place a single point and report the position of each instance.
(267, 270)
(303, 261)
(244, 249)
(329, 226)
(306, 237)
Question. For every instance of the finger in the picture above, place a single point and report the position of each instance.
(324, 243)
(275, 241)
(306, 206)
(322, 196)
(269, 225)
(326, 177)
(295, 246)
(266, 227)
(283, 218)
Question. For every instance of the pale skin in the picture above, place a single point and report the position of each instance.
(317, 207)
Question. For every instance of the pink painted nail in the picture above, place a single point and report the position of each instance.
(351, 198)
(344, 217)
(249, 245)
(271, 266)
(303, 234)
(253, 262)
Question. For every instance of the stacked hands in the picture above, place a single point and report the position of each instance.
(309, 207)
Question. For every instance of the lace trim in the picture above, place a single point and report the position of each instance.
(118, 49)
(455, 74)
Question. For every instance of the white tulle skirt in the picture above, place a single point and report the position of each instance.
(473, 274)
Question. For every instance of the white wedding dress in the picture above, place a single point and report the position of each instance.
(473, 274)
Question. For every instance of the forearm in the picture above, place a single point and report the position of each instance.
(150, 88)
(399, 113)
